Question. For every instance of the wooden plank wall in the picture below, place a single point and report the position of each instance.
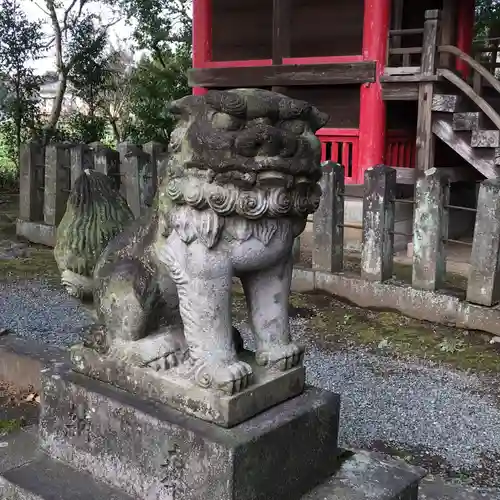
(341, 102)
(326, 28)
(242, 30)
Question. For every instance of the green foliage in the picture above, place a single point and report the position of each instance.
(487, 18)
(20, 43)
(153, 86)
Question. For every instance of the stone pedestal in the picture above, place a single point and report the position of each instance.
(153, 452)
(268, 389)
(97, 442)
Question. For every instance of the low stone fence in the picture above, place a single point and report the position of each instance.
(427, 297)
(47, 175)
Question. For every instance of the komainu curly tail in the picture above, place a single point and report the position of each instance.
(95, 213)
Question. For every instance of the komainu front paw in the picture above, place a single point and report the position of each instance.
(228, 378)
(282, 357)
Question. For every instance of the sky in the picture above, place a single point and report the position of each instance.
(118, 32)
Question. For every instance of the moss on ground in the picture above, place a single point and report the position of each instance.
(39, 264)
(337, 325)
(8, 426)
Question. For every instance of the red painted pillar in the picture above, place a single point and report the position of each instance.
(465, 31)
(202, 36)
(372, 119)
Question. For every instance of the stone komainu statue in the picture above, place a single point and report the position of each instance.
(240, 180)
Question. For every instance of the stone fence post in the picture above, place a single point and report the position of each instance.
(430, 228)
(57, 182)
(107, 161)
(135, 175)
(157, 153)
(31, 182)
(328, 250)
(378, 223)
(81, 159)
(484, 279)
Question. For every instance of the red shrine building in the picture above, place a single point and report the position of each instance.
(375, 66)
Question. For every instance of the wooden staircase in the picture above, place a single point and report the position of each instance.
(469, 133)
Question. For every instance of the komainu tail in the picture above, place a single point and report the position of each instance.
(95, 213)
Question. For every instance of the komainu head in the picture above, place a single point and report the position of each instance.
(247, 152)
(95, 213)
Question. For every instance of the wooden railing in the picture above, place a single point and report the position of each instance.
(486, 52)
(399, 56)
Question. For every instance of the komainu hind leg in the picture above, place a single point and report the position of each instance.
(125, 303)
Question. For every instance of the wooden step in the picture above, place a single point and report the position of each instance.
(485, 138)
(447, 103)
(482, 159)
(497, 156)
(471, 120)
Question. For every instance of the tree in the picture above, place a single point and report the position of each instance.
(88, 77)
(20, 43)
(70, 26)
(154, 85)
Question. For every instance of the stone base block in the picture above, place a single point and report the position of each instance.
(370, 476)
(26, 473)
(269, 388)
(154, 452)
(36, 232)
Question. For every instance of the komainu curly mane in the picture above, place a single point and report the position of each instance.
(95, 214)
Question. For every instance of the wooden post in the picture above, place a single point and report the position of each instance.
(377, 254)
(430, 228)
(202, 36)
(57, 182)
(372, 116)
(81, 159)
(328, 251)
(425, 137)
(448, 30)
(396, 23)
(483, 286)
(134, 176)
(31, 182)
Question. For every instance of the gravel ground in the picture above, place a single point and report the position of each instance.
(35, 310)
(446, 420)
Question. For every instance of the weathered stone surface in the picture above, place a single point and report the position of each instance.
(328, 251)
(430, 228)
(437, 489)
(95, 213)
(31, 171)
(483, 286)
(28, 474)
(425, 305)
(269, 388)
(18, 448)
(378, 223)
(240, 180)
(57, 182)
(370, 476)
(154, 452)
(36, 232)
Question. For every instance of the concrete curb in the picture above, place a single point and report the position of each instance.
(437, 307)
(21, 361)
